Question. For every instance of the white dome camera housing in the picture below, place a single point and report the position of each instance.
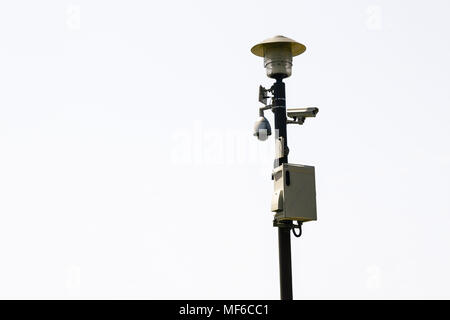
(262, 129)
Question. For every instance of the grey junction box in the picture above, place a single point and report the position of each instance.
(294, 196)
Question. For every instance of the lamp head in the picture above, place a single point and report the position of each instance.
(277, 53)
(262, 128)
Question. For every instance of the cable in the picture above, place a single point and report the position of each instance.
(299, 227)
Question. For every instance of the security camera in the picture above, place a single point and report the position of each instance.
(262, 129)
(298, 113)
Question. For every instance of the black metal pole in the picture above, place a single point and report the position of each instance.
(284, 247)
(284, 227)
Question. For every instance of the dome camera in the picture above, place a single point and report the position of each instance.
(262, 128)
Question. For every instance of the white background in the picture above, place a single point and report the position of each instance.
(128, 167)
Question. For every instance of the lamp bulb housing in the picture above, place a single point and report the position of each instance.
(277, 53)
(278, 60)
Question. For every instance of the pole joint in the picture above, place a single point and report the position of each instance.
(287, 224)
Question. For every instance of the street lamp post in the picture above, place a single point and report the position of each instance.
(294, 196)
